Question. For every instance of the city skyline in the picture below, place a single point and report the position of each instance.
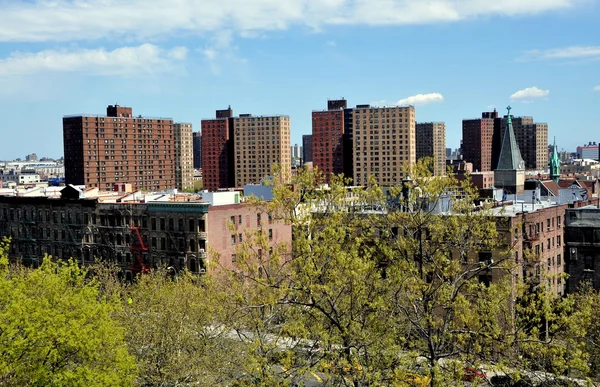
(452, 61)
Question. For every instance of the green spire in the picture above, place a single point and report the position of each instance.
(554, 164)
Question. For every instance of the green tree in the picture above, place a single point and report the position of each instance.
(57, 330)
(175, 330)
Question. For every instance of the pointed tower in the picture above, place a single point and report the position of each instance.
(510, 173)
(554, 164)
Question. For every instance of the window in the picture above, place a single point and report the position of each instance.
(240, 238)
(258, 219)
(270, 219)
(558, 260)
(485, 257)
(233, 239)
(558, 219)
(270, 234)
(192, 225)
(153, 224)
(588, 263)
(558, 240)
(233, 258)
(232, 220)
(239, 219)
(548, 243)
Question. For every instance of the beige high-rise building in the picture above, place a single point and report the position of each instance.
(431, 142)
(384, 143)
(260, 143)
(184, 156)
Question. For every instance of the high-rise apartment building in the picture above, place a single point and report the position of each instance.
(307, 148)
(197, 149)
(260, 143)
(217, 151)
(328, 135)
(431, 142)
(478, 135)
(384, 143)
(184, 157)
(101, 151)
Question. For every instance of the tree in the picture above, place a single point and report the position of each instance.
(174, 329)
(57, 330)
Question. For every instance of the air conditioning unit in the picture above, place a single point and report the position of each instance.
(202, 271)
(202, 251)
(573, 253)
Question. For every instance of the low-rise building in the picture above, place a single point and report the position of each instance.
(136, 231)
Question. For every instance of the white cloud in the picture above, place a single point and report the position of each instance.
(421, 99)
(571, 52)
(529, 93)
(124, 60)
(73, 20)
(597, 88)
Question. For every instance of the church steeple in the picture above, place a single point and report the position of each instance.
(510, 155)
(510, 172)
(554, 164)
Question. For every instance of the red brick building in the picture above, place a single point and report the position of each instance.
(478, 136)
(217, 151)
(117, 148)
(328, 129)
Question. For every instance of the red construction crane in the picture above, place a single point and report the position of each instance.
(138, 248)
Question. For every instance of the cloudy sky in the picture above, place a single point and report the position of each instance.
(184, 59)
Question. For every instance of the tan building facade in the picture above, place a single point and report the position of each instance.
(384, 143)
(184, 156)
(431, 142)
(260, 143)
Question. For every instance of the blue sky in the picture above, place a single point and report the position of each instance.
(184, 59)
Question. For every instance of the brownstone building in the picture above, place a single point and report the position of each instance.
(101, 151)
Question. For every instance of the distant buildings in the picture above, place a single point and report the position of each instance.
(477, 138)
(184, 158)
(217, 151)
(329, 129)
(117, 148)
(431, 142)
(307, 154)
(384, 143)
(243, 150)
(260, 143)
(197, 149)
(589, 151)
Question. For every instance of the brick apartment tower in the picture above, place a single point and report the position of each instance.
(478, 135)
(101, 151)
(197, 149)
(307, 155)
(217, 151)
(329, 132)
(259, 144)
(184, 156)
(431, 142)
(384, 143)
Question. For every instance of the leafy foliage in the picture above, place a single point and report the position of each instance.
(56, 329)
